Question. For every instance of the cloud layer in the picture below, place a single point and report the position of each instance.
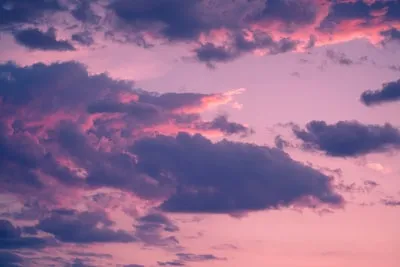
(65, 128)
(219, 31)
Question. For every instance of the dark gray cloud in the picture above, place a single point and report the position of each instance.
(36, 39)
(11, 238)
(214, 178)
(10, 259)
(83, 227)
(390, 92)
(25, 11)
(348, 138)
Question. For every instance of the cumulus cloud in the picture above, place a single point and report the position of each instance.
(348, 138)
(215, 178)
(64, 130)
(61, 124)
(390, 92)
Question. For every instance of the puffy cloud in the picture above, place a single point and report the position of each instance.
(83, 227)
(36, 39)
(11, 238)
(348, 138)
(63, 126)
(390, 92)
(216, 178)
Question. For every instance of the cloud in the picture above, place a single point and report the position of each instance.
(10, 259)
(229, 128)
(62, 127)
(339, 58)
(378, 167)
(190, 257)
(36, 39)
(216, 31)
(348, 138)
(183, 258)
(390, 35)
(281, 143)
(83, 227)
(214, 178)
(390, 92)
(151, 227)
(159, 220)
(13, 13)
(83, 38)
(240, 44)
(171, 263)
(84, 12)
(66, 131)
(391, 202)
(11, 238)
(78, 263)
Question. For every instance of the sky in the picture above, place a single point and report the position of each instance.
(198, 133)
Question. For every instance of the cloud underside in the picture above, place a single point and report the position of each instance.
(390, 92)
(348, 138)
(220, 31)
(61, 127)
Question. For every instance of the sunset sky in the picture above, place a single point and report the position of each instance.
(222, 133)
